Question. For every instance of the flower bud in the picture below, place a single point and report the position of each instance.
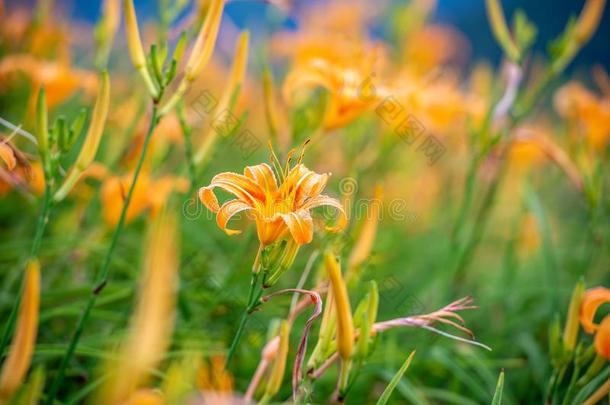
(134, 43)
(279, 365)
(231, 91)
(92, 139)
(269, 103)
(345, 327)
(19, 358)
(280, 261)
(206, 41)
(570, 333)
(589, 19)
(362, 249)
(500, 29)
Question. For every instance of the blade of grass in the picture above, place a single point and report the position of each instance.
(383, 399)
(497, 399)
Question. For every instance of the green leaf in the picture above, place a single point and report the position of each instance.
(525, 31)
(383, 399)
(497, 399)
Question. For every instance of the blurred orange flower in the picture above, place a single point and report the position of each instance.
(16, 171)
(59, 79)
(347, 77)
(587, 110)
(214, 378)
(592, 300)
(149, 194)
(277, 210)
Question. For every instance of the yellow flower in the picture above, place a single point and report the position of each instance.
(277, 210)
(592, 300)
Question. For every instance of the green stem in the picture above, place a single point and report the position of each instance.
(466, 200)
(343, 379)
(467, 250)
(188, 146)
(572, 387)
(253, 299)
(43, 219)
(102, 279)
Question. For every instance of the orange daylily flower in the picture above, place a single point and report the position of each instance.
(59, 79)
(214, 377)
(15, 169)
(348, 81)
(336, 54)
(588, 110)
(149, 194)
(602, 338)
(592, 300)
(277, 209)
(7, 155)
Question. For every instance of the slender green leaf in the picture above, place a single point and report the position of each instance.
(392, 385)
(497, 399)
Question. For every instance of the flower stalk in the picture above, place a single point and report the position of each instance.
(102, 279)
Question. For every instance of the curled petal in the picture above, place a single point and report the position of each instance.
(602, 338)
(227, 211)
(300, 225)
(592, 300)
(8, 155)
(318, 73)
(242, 187)
(324, 200)
(263, 175)
(310, 185)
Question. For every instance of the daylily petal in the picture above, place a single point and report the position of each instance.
(242, 187)
(8, 156)
(591, 301)
(227, 211)
(263, 175)
(300, 225)
(163, 188)
(292, 178)
(602, 338)
(270, 229)
(322, 200)
(310, 185)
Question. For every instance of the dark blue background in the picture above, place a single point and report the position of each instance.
(467, 15)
